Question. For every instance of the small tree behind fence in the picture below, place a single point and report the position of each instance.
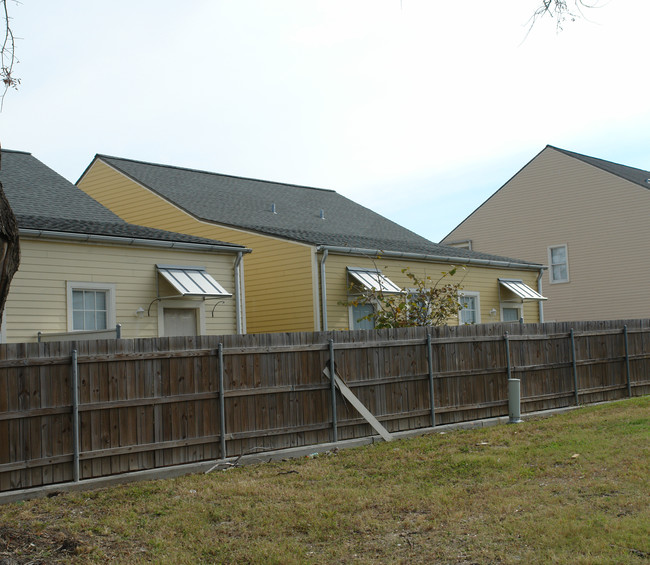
(71, 411)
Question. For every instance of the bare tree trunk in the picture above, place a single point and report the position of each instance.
(9, 247)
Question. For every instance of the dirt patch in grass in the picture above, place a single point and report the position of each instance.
(568, 489)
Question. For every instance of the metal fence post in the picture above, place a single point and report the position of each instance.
(75, 416)
(335, 433)
(514, 389)
(222, 403)
(627, 362)
(431, 391)
(575, 367)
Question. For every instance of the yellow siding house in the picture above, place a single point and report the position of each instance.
(86, 273)
(309, 245)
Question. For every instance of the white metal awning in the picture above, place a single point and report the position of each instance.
(372, 279)
(192, 281)
(521, 289)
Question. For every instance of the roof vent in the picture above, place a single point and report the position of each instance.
(273, 209)
(322, 214)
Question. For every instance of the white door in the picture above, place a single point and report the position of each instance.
(180, 321)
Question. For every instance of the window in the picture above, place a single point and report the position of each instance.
(470, 312)
(357, 313)
(512, 312)
(91, 306)
(558, 264)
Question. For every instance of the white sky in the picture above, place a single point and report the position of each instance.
(418, 109)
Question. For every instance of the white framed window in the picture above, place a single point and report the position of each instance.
(558, 260)
(91, 306)
(356, 315)
(470, 312)
(512, 312)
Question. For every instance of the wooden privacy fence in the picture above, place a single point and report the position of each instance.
(71, 411)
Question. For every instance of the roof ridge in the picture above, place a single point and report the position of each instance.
(588, 159)
(202, 171)
(15, 151)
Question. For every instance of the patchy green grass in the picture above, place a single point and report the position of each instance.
(572, 489)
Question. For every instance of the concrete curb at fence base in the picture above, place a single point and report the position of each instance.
(256, 458)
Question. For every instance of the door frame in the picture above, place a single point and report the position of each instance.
(198, 305)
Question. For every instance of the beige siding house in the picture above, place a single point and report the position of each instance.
(309, 244)
(587, 219)
(84, 272)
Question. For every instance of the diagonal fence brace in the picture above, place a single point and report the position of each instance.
(352, 399)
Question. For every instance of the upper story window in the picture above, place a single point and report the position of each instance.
(558, 260)
(91, 306)
(470, 312)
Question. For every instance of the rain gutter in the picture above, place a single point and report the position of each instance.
(128, 241)
(428, 257)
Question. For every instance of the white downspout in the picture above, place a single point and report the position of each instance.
(239, 295)
(540, 303)
(323, 288)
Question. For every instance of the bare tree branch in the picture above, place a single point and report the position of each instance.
(7, 56)
(561, 11)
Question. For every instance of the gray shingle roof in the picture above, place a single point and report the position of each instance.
(284, 210)
(637, 176)
(42, 199)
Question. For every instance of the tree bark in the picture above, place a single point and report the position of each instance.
(9, 247)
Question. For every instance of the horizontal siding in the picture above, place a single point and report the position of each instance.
(278, 274)
(37, 299)
(483, 280)
(602, 219)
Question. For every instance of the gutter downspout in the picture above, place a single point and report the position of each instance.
(323, 288)
(540, 303)
(238, 295)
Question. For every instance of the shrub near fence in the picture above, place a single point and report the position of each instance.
(77, 410)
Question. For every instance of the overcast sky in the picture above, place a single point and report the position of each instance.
(418, 109)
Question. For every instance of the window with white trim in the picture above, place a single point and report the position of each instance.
(470, 312)
(512, 312)
(358, 313)
(91, 306)
(558, 260)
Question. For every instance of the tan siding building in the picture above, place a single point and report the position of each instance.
(303, 240)
(587, 219)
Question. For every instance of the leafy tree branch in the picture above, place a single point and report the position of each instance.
(427, 302)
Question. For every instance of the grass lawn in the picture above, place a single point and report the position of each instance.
(573, 488)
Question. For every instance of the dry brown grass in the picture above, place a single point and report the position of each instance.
(568, 489)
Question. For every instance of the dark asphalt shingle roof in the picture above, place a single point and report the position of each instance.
(637, 176)
(42, 199)
(248, 203)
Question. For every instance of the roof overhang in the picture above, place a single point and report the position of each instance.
(361, 252)
(192, 281)
(521, 289)
(372, 279)
(128, 241)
